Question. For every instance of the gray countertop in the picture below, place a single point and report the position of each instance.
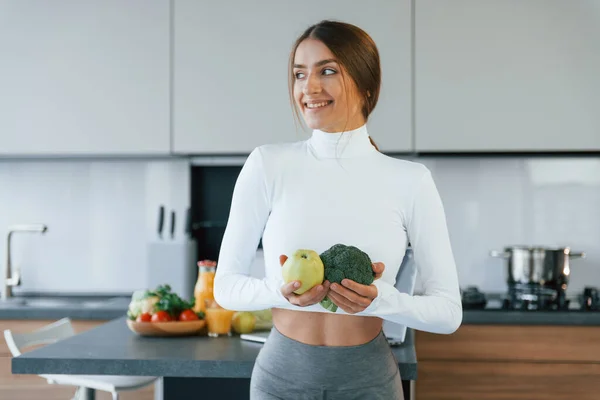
(109, 307)
(112, 349)
(51, 307)
(516, 317)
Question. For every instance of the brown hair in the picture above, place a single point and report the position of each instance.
(354, 50)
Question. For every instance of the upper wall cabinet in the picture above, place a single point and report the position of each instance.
(84, 77)
(507, 75)
(231, 70)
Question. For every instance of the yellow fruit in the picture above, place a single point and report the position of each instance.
(304, 266)
(243, 322)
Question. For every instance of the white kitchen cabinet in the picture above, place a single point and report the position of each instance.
(507, 75)
(84, 77)
(231, 71)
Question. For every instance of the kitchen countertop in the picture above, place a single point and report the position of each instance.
(495, 314)
(112, 349)
(103, 307)
(515, 317)
(109, 307)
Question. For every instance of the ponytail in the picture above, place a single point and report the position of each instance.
(373, 143)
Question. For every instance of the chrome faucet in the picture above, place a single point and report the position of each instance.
(11, 278)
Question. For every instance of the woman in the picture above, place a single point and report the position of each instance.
(335, 187)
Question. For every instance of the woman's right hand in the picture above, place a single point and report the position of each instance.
(308, 298)
(378, 268)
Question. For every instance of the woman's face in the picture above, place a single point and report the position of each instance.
(324, 92)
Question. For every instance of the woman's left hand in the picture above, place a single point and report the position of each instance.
(353, 297)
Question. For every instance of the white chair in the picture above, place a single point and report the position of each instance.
(63, 329)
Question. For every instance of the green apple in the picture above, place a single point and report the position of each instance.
(304, 266)
(243, 322)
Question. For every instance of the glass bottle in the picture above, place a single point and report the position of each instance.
(203, 290)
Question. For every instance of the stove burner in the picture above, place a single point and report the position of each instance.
(590, 299)
(472, 298)
(531, 298)
(534, 297)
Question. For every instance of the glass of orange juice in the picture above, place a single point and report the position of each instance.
(203, 290)
(218, 319)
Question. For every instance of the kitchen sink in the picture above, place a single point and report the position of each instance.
(50, 302)
(42, 302)
(62, 302)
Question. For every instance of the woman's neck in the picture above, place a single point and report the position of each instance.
(350, 126)
(341, 144)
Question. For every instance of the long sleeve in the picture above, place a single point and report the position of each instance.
(439, 309)
(234, 288)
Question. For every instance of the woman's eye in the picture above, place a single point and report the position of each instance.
(328, 71)
(299, 75)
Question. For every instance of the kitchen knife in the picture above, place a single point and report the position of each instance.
(161, 220)
(172, 224)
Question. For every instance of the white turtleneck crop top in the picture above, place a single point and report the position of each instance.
(337, 188)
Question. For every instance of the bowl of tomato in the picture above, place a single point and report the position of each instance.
(162, 312)
(162, 323)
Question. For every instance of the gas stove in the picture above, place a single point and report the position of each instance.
(531, 298)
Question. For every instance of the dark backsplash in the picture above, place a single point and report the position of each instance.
(211, 191)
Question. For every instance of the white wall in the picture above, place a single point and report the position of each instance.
(494, 202)
(102, 216)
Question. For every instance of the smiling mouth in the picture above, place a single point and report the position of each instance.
(317, 106)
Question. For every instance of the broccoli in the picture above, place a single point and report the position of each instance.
(341, 261)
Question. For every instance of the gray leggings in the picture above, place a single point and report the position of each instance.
(286, 369)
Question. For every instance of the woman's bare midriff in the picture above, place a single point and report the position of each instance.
(325, 329)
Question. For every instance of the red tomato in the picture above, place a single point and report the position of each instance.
(161, 316)
(145, 317)
(188, 315)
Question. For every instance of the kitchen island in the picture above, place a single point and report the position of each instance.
(564, 338)
(191, 367)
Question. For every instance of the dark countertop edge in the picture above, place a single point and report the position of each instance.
(531, 318)
(163, 368)
(408, 371)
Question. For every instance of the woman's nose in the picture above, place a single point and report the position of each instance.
(313, 85)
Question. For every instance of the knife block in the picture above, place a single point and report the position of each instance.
(173, 263)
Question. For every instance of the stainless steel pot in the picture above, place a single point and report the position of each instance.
(548, 267)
